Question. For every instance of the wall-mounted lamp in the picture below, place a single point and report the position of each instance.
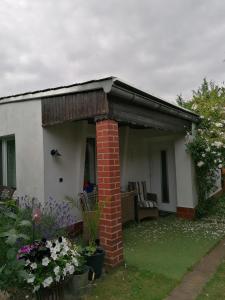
(55, 153)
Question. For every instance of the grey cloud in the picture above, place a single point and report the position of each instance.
(165, 47)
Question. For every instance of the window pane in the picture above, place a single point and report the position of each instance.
(164, 178)
(90, 161)
(1, 164)
(11, 163)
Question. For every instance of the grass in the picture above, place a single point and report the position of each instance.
(215, 288)
(132, 284)
(157, 255)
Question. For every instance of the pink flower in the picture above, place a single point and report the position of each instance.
(36, 215)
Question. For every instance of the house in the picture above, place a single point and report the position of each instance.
(107, 132)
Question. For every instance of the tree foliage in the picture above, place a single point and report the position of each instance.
(207, 145)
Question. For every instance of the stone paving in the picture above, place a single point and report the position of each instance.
(194, 281)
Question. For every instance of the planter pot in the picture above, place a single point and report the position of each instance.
(76, 286)
(55, 292)
(95, 262)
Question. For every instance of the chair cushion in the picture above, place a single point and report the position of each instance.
(147, 204)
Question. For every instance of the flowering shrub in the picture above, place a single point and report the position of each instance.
(49, 262)
(51, 217)
(207, 146)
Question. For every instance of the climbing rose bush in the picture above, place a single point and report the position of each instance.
(207, 141)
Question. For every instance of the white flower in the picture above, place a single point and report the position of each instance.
(220, 166)
(71, 269)
(49, 244)
(64, 271)
(203, 154)
(218, 144)
(33, 266)
(64, 241)
(57, 247)
(56, 270)
(47, 282)
(200, 164)
(207, 149)
(194, 106)
(45, 261)
(218, 125)
(57, 278)
(65, 248)
(75, 261)
(30, 279)
(36, 288)
(27, 262)
(54, 256)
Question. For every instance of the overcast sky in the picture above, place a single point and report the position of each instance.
(165, 47)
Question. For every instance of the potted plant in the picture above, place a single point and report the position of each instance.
(93, 252)
(77, 285)
(49, 265)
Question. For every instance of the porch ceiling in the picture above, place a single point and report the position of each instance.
(120, 102)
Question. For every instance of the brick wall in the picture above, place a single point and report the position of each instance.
(186, 213)
(108, 172)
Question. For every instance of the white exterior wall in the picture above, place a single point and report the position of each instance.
(185, 174)
(141, 161)
(23, 119)
(70, 140)
(134, 158)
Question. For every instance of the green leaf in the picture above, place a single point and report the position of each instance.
(11, 253)
(4, 234)
(23, 236)
(2, 269)
(11, 239)
(25, 223)
(11, 215)
(8, 233)
(23, 274)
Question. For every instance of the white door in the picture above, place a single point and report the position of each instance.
(163, 176)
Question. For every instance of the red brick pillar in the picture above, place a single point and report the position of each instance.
(108, 171)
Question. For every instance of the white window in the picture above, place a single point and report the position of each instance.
(8, 161)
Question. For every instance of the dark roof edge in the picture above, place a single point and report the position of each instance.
(144, 98)
(110, 85)
(104, 83)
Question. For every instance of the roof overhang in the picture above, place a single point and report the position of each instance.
(107, 98)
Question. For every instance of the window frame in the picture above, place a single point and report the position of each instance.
(4, 158)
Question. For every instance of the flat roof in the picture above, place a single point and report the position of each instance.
(103, 83)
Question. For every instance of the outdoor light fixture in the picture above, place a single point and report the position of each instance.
(55, 153)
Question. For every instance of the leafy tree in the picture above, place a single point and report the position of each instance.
(207, 146)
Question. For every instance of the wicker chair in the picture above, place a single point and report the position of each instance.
(88, 206)
(128, 206)
(146, 203)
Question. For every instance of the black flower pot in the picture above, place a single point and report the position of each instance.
(95, 262)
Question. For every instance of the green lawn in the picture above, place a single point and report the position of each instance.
(215, 288)
(157, 255)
